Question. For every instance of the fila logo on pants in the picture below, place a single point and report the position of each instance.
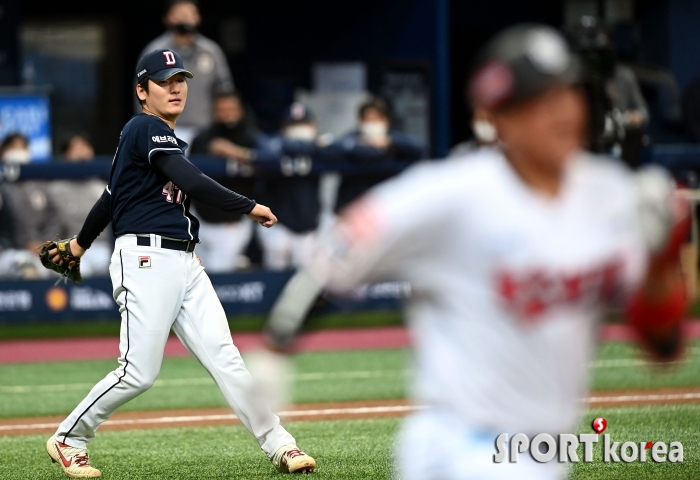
(144, 262)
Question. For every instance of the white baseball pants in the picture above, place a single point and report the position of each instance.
(223, 243)
(158, 289)
(434, 445)
(284, 248)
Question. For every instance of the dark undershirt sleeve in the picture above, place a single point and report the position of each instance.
(198, 186)
(96, 221)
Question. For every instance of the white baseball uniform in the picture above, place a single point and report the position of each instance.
(222, 244)
(508, 288)
(158, 289)
(284, 248)
(159, 283)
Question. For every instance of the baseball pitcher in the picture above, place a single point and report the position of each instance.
(159, 283)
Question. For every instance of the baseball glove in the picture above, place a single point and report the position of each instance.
(68, 266)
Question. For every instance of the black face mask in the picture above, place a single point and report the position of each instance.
(184, 28)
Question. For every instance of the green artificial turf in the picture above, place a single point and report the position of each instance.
(237, 323)
(36, 389)
(55, 388)
(344, 449)
(347, 449)
(357, 449)
(623, 366)
(668, 423)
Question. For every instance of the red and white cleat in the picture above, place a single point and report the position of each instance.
(75, 462)
(289, 459)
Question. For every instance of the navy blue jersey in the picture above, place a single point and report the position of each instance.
(143, 200)
(293, 195)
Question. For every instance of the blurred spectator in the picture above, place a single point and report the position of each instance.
(14, 262)
(484, 132)
(15, 149)
(34, 222)
(76, 198)
(77, 148)
(224, 235)
(8, 253)
(658, 85)
(373, 129)
(202, 56)
(35, 213)
(618, 111)
(232, 134)
(631, 110)
(7, 221)
(293, 195)
(374, 142)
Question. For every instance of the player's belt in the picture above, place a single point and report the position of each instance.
(183, 246)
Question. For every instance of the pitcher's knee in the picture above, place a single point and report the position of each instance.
(138, 383)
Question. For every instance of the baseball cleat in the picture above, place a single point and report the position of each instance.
(75, 462)
(289, 459)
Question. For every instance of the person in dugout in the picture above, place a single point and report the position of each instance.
(371, 143)
(292, 188)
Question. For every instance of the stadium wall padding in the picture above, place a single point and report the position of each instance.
(32, 301)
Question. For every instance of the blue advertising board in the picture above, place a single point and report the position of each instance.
(30, 115)
(240, 293)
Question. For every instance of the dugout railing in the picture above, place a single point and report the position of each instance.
(255, 291)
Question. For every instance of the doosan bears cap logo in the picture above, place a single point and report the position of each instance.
(169, 58)
(160, 65)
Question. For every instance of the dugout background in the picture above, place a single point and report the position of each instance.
(271, 45)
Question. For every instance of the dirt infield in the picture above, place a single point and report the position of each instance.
(325, 411)
(216, 416)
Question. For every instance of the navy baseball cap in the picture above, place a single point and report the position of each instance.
(160, 65)
(520, 63)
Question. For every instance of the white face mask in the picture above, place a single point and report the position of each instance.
(484, 131)
(17, 155)
(374, 129)
(306, 133)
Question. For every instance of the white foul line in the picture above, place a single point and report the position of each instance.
(646, 398)
(339, 411)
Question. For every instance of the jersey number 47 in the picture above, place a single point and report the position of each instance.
(172, 193)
